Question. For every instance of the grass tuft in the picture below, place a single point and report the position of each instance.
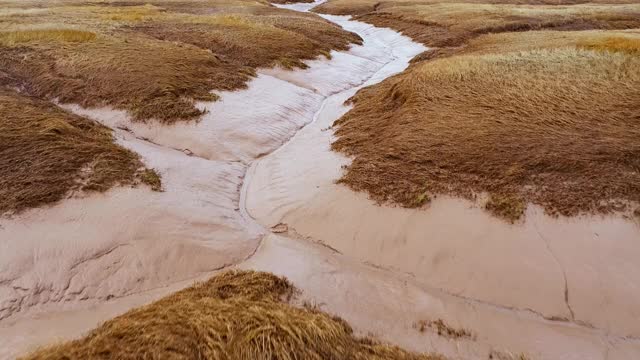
(150, 177)
(502, 355)
(422, 198)
(509, 207)
(443, 329)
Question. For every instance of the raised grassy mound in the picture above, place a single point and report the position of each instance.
(153, 58)
(46, 152)
(235, 315)
(543, 117)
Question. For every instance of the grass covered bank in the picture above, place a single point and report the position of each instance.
(234, 315)
(549, 117)
(46, 152)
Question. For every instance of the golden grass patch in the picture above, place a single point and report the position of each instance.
(510, 207)
(234, 315)
(509, 42)
(46, 152)
(26, 36)
(555, 127)
(443, 329)
(9, 12)
(123, 14)
(614, 43)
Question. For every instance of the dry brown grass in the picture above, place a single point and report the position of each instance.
(46, 152)
(512, 103)
(510, 207)
(446, 23)
(150, 79)
(443, 329)
(556, 127)
(153, 60)
(235, 315)
(500, 355)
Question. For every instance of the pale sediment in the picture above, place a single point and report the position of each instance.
(241, 126)
(388, 305)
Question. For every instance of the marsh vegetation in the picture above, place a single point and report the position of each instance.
(514, 102)
(47, 152)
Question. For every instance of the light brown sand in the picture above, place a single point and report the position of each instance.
(387, 305)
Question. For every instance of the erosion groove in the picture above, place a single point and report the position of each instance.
(564, 273)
